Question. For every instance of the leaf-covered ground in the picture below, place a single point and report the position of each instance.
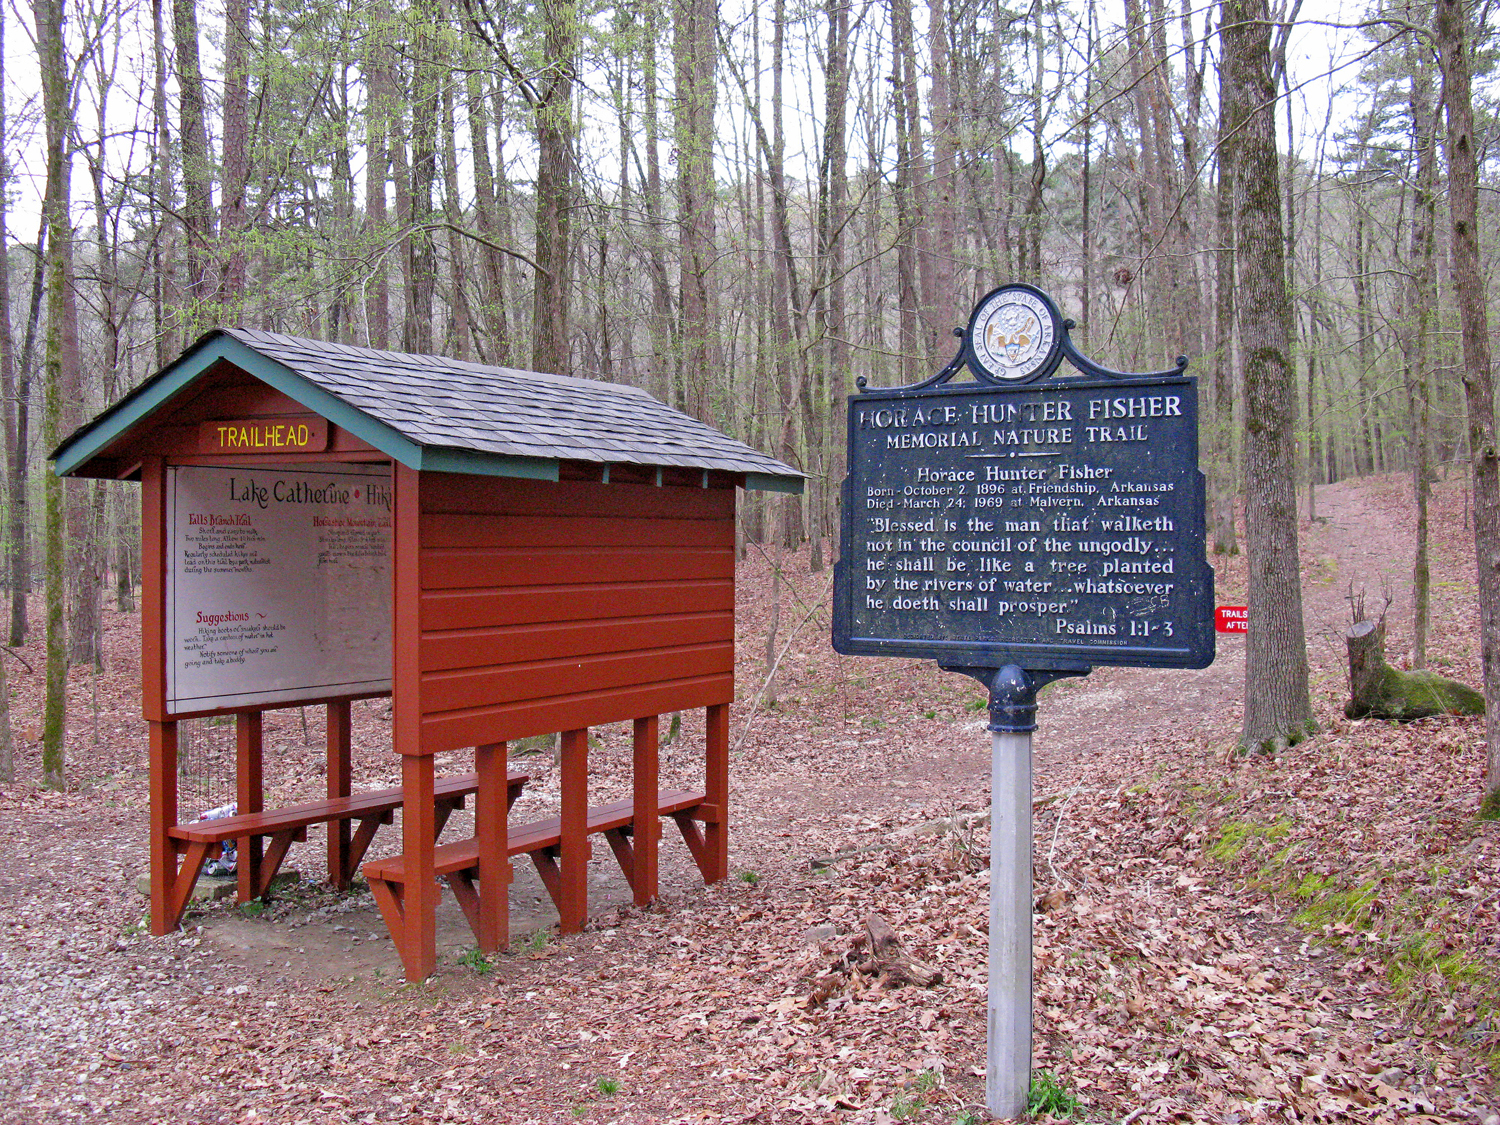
(1310, 937)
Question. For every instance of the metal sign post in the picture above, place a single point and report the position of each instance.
(1012, 707)
(1007, 1076)
(1024, 525)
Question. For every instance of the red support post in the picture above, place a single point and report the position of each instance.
(716, 787)
(249, 791)
(163, 816)
(491, 806)
(340, 780)
(418, 827)
(646, 827)
(574, 841)
(418, 940)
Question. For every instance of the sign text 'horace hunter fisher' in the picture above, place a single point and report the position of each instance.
(1051, 525)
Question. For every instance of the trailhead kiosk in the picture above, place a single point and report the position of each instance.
(503, 553)
(1026, 524)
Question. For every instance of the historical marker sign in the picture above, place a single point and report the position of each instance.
(1054, 526)
(1021, 527)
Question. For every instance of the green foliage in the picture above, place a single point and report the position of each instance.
(974, 705)
(474, 959)
(1329, 904)
(1489, 808)
(254, 908)
(904, 1106)
(909, 1102)
(534, 942)
(1236, 835)
(750, 877)
(1404, 696)
(607, 1086)
(1050, 1096)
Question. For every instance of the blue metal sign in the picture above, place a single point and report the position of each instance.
(1050, 521)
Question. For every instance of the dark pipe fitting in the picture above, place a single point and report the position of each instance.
(1012, 701)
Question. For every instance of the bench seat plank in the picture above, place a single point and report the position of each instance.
(458, 861)
(356, 806)
(537, 836)
(197, 840)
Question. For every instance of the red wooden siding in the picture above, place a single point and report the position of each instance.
(555, 606)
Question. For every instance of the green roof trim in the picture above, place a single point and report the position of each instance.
(156, 393)
(487, 464)
(763, 482)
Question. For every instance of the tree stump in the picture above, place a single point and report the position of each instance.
(890, 960)
(1377, 690)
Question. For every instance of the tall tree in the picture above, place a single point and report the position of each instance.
(1278, 708)
(1420, 297)
(905, 188)
(695, 54)
(234, 214)
(1453, 33)
(15, 530)
(56, 377)
(197, 162)
(16, 395)
(421, 252)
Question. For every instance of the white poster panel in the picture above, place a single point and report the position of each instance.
(278, 584)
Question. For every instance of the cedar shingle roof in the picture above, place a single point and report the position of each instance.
(436, 404)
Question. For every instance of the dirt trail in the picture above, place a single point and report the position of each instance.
(1355, 540)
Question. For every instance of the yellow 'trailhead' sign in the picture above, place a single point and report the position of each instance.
(263, 435)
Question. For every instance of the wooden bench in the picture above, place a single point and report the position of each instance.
(196, 840)
(458, 862)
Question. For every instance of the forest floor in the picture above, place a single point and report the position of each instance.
(1309, 937)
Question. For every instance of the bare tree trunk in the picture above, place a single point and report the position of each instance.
(233, 214)
(461, 346)
(1453, 33)
(1222, 478)
(492, 302)
(941, 312)
(832, 215)
(49, 27)
(163, 205)
(1278, 708)
(554, 189)
(15, 417)
(904, 190)
(20, 504)
(421, 253)
(377, 174)
(197, 163)
(1031, 234)
(666, 356)
(695, 49)
(14, 533)
(1421, 299)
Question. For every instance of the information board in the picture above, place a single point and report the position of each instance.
(278, 585)
(1057, 525)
